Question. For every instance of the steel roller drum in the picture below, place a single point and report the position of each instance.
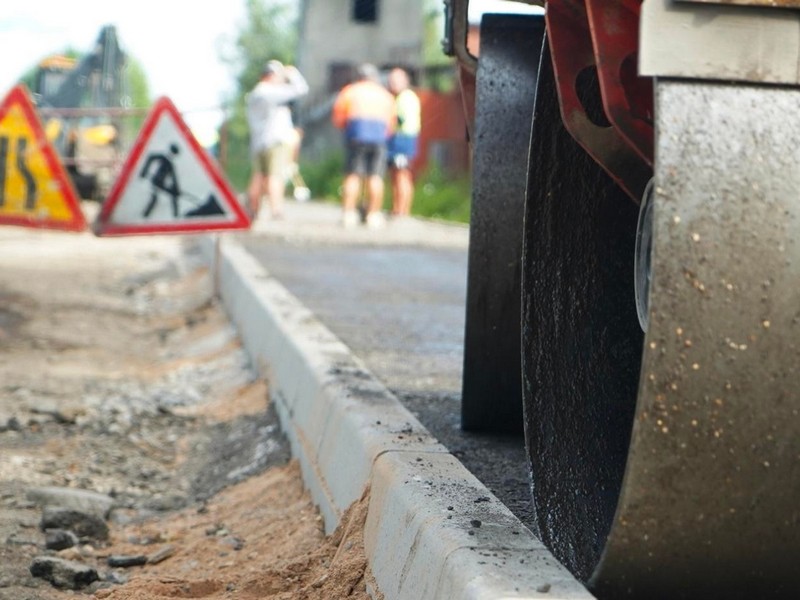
(688, 488)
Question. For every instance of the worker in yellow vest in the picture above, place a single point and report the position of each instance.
(403, 144)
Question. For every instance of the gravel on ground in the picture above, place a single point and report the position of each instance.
(127, 400)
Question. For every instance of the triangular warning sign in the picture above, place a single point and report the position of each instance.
(34, 188)
(169, 184)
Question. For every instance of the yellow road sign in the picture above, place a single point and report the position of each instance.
(34, 188)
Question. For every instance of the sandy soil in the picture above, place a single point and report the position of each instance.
(119, 374)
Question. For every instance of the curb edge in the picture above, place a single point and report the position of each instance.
(433, 530)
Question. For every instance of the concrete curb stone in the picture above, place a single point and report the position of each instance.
(433, 530)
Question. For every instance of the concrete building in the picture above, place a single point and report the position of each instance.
(335, 35)
(338, 35)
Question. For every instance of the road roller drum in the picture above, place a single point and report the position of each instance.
(660, 305)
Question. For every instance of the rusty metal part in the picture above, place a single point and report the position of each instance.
(581, 338)
(719, 42)
(627, 98)
(576, 73)
(766, 3)
(530, 2)
(466, 80)
(511, 47)
(456, 30)
(454, 43)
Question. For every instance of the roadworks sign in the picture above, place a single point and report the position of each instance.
(169, 184)
(35, 190)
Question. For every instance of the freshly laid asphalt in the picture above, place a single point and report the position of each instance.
(396, 297)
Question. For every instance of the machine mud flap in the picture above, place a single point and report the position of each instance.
(506, 86)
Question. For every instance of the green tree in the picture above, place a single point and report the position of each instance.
(438, 68)
(138, 85)
(138, 92)
(269, 32)
(432, 33)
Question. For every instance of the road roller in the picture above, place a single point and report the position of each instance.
(633, 302)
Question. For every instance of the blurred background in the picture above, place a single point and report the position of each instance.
(94, 68)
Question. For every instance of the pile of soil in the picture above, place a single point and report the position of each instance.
(121, 376)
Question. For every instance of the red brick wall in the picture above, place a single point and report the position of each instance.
(444, 132)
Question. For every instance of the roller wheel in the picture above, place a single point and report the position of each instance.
(668, 465)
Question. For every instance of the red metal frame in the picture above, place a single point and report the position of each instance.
(467, 81)
(627, 98)
(625, 148)
(602, 35)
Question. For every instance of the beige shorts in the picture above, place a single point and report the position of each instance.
(276, 160)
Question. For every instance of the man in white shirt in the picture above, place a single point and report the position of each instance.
(272, 132)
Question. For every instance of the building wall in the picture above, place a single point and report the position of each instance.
(330, 36)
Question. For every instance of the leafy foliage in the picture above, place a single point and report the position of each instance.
(433, 30)
(138, 89)
(440, 196)
(138, 86)
(324, 177)
(269, 32)
(437, 195)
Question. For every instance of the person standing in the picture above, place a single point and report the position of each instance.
(272, 133)
(403, 144)
(365, 110)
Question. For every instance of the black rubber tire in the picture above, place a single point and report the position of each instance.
(580, 335)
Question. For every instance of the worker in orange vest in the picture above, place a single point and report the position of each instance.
(365, 110)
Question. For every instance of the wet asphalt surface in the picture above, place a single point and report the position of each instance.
(401, 310)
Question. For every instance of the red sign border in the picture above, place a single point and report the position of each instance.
(103, 224)
(19, 95)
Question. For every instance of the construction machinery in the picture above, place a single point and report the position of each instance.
(82, 102)
(633, 299)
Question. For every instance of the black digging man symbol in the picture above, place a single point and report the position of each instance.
(164, 180)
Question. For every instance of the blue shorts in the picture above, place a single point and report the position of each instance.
(402, 150)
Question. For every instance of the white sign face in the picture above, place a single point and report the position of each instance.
(169, 184)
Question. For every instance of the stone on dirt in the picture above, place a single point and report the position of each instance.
(63, 573)
(125, 561)
(165, 502)
(60, 412)
(161, 554)
(9, 423)
(82, 524)
(59, 539)
(85, 501)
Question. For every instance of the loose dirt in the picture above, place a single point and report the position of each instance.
(120, 374)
